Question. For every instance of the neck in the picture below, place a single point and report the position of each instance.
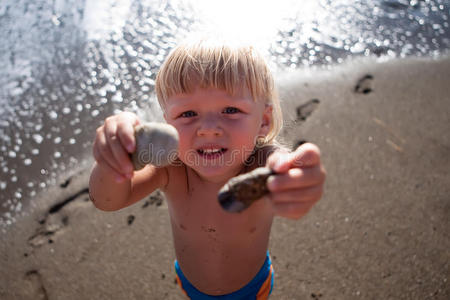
(216, 181)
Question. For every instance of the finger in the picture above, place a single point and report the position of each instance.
(306, 155)
(296, 178)
(308, 194)
(122, 159)
(125, 132)
(104, 165)
(104, 152)
(95, 151)
(279, 161)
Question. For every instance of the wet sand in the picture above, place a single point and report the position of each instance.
(379, 232)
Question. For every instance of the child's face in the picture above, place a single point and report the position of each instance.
(217, 131)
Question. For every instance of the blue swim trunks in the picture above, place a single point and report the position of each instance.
(258, 288)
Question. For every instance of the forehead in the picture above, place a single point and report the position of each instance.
(207, 96)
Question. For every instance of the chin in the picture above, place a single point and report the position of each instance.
(216, 173)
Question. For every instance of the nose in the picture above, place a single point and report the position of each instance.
(209, 126)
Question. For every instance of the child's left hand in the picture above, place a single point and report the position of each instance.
(299, 182)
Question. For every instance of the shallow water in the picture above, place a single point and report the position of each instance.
(69, 64)
(330, 31)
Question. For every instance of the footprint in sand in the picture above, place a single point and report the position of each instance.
(130, 219)
(306, 109)
(66, 183)
(316, 295)
(37, 287)
(364, 85)
(53, 223)
(46, 232)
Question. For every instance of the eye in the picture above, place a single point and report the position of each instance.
(231, 110)
(188, 114)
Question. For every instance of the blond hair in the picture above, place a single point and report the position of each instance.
(223, 66)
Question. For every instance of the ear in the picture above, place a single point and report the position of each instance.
(266, 120)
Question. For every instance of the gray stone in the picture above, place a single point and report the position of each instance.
(241, 191)
(156, 144)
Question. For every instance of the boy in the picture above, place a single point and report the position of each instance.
(222, 101)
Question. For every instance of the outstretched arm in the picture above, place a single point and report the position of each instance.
(113, 183)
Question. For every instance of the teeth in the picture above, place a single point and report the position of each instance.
(210, 151)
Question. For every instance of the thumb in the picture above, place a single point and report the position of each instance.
(305, 156)
(279, 161)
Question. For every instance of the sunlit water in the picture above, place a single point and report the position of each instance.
(68, 64)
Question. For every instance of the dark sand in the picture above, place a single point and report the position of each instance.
(379, 232)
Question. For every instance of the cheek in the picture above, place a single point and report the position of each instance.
(185, 151)
(249, 127)
(185, 139)
(245, 139)
(183, 134)
(248, 124)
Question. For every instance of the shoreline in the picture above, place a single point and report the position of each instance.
(378, 232)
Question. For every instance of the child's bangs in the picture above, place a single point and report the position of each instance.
(221, 67)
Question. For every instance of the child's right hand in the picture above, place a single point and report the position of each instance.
(113, 143)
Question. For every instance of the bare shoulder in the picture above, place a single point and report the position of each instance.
(177, 178)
